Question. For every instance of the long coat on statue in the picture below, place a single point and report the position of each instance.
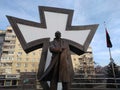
(60, 68)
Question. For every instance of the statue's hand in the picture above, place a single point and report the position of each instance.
(61, 49)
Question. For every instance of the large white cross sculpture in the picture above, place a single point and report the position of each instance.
(33, 35)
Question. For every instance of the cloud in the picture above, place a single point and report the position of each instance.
(115, 52)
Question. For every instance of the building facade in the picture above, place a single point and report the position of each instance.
(83, 63)
(2, 37)
(13, 59)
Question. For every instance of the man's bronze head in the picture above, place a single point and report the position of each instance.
(57, 34)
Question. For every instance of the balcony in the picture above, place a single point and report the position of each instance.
(10, 38)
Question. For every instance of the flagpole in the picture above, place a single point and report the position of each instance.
(111, 60)
(113, 69)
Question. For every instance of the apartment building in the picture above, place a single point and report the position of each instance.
(13, 59)
(84, 63)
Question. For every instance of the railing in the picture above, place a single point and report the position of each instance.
(94, 82)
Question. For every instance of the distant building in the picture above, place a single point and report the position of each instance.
(83, 62)
(14, 60)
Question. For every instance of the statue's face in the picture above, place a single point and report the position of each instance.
(57, 35)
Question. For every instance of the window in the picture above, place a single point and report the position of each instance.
(9, 31)
(19, 59)
(33, 53)
(8, 70)
(25, 64)
(33, 64)
(18, 64)
(33, 59)
(19, 46)
(18, 70)
(25, 70)
(10, 58)
(7, 58)
(6, 52)
(1, 82)
(27, 59)
(12, 47)
(80, 58)
(11, 52)
(19, 53)
(74, 59)
(32, 70)
(9, 64)
(3, 64)
(12, 42)
(3, 58)
(14, 82)
(8, 83)
(13, 36)
(7, 41)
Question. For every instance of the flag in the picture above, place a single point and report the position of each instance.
(108, 41)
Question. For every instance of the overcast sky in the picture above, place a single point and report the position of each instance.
(85, 12)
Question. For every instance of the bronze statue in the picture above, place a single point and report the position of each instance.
(60, 68)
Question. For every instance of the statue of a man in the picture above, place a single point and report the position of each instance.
(60, 68)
